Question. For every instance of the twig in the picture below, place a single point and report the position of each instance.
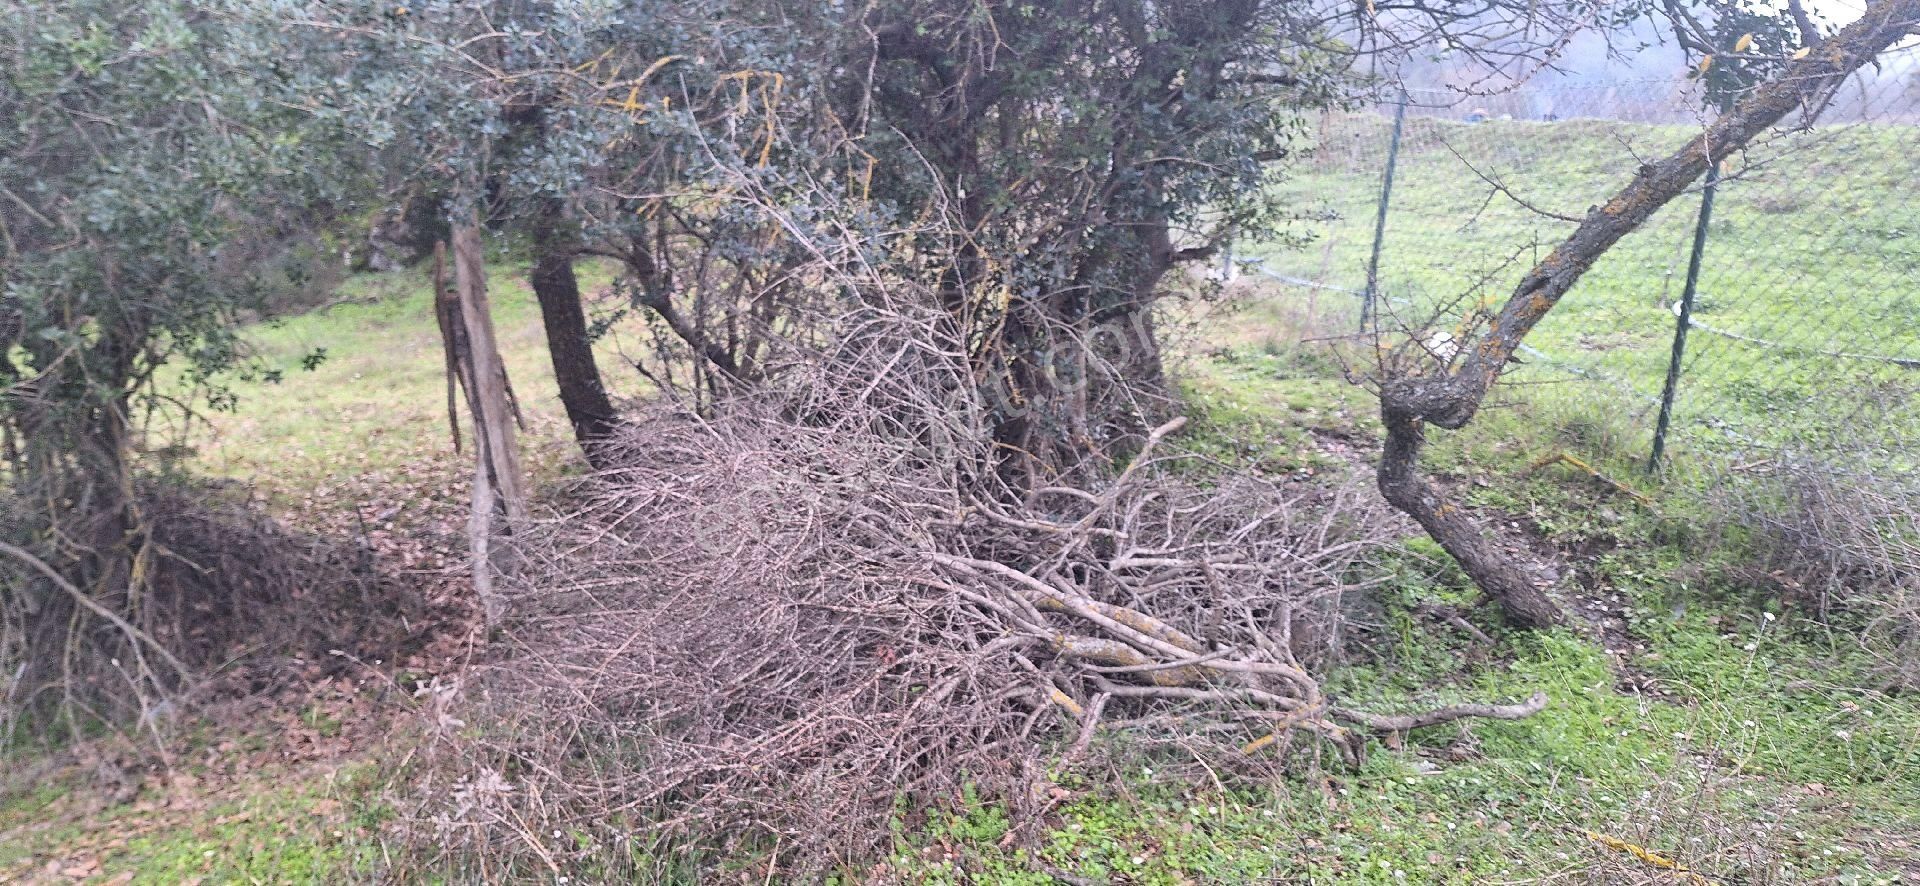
(1649, 856)
(1405, 722)
(1591, 471)
(133, 633)
(1452, 616)
(1501, 187)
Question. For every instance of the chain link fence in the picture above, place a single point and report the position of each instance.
(1799, 338)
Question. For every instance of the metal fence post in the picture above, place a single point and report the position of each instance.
(1380, 220)
(1685, 319)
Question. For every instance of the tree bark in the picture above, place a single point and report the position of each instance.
(498, 489)
(1408, 404)
(589, 410)
(486, 375)
(1523, 600)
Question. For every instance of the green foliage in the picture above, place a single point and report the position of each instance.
(155, 173)
(151, 159)
(1034, 169)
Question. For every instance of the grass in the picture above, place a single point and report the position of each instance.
(1766, 754)
(287, 825)
(1807, 249)
(1768, 749)
(375, 406)
(1739, 774)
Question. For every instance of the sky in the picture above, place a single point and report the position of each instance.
(1586, 60)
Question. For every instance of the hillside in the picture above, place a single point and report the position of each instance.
(1807, 288)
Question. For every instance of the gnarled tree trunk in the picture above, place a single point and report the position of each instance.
(1450, 400)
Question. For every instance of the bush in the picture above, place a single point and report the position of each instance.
(1845, 543)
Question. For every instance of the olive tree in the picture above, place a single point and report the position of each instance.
(583, 129)
(1081, 151)
(148, 152)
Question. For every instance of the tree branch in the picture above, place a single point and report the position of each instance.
(134, 634)
(1404, 722)
(1449, 400)
(1809, 33)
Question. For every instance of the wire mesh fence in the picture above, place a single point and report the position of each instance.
(1802, 333)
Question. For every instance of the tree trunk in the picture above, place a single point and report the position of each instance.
(486, 374)
(497, 484)
(589, 409)
(1503, 579)
(1072, 390)
(1409, 403)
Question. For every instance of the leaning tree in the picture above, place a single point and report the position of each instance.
(1794, 66)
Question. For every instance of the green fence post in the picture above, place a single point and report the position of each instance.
(1380, 219)
(1685, 319)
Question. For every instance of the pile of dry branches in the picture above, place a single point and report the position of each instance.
(223, 601)
(768, 623)
(1845, 542)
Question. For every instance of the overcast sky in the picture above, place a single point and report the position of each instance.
(1830, 14)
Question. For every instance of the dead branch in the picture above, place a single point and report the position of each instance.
(1403, 722)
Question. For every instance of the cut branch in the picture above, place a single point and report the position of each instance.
(1404, 722)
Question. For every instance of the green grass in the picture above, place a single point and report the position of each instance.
(1783, 791)
(368, 422)
(1809, 247)
(1768, 756)
(1770, 753)
(376, 404)
(286, 826)
(1780, 751)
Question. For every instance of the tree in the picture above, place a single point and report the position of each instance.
(1083, 150)
(1449, 399)
(1080, 151)
(1049, 164)
(582, 131)
(147, 153)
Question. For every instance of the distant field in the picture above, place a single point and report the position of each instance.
(1814, 249)
(376, 406)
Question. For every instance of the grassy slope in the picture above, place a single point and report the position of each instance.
(376, 406)
(1810, 246)
(1768, 740)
